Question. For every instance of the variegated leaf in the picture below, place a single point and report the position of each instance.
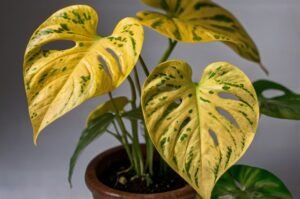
(200, 129)
(199, 21)
(246, 182)
(57, 81)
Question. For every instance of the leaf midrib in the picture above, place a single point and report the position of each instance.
(195, 88)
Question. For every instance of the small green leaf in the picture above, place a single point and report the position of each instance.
(94, 129)
(246, 182)
(197, 130)
(286, 106)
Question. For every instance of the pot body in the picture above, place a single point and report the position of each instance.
(100, 191)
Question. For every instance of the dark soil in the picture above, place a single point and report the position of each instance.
(160, 183)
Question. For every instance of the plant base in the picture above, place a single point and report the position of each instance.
(98, 178)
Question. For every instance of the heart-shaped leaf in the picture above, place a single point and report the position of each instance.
(199, 21)
(246, 182)
(57, 81)
(200, 129)
(285, 106)
(94, 129)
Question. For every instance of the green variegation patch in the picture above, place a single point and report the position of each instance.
(199, 21)
(57, 81)
(200, 129)
(246, 182)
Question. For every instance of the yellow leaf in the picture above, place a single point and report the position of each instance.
(120, 102)
(57, 81)
(199, 21)
(200, 129)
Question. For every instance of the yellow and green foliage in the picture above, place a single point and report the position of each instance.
(199, 21)
(200, 129)
(59, 80)
(199, 132)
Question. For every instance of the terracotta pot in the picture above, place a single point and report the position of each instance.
(100, 191)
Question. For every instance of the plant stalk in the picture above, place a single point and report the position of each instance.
(137, 80)
(150, 152)
(149, 145)
(136, 149)
(169, 50)
(123, 130)
(144, 66)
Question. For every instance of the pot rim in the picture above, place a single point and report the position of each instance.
(95, 185)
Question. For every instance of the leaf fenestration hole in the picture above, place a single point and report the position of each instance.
(59, 45)
(227, 116)
(213, 136)
(225, 95)
(103, 64)
(116, 57)
(270, 93)
(178, 101)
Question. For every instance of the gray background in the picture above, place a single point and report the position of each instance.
(29, 172)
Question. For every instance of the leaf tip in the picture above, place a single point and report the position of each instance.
(70, 182)
(35, 138)
(264, 68)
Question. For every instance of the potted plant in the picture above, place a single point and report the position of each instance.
(200, 129)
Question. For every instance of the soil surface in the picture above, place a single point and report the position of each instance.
(125, 181)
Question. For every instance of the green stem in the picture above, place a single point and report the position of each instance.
(115, 135)
(169, 50)
(163, 167)
(133, 93)
(149, 151)
(137, 80)
(116, 128)
(149, 145)
(144, 66)
(134, 124)
(118, 132)
(123, 129)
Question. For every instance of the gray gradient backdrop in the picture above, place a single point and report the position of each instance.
(29, 172)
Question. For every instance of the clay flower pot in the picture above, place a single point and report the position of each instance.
(101, 163)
